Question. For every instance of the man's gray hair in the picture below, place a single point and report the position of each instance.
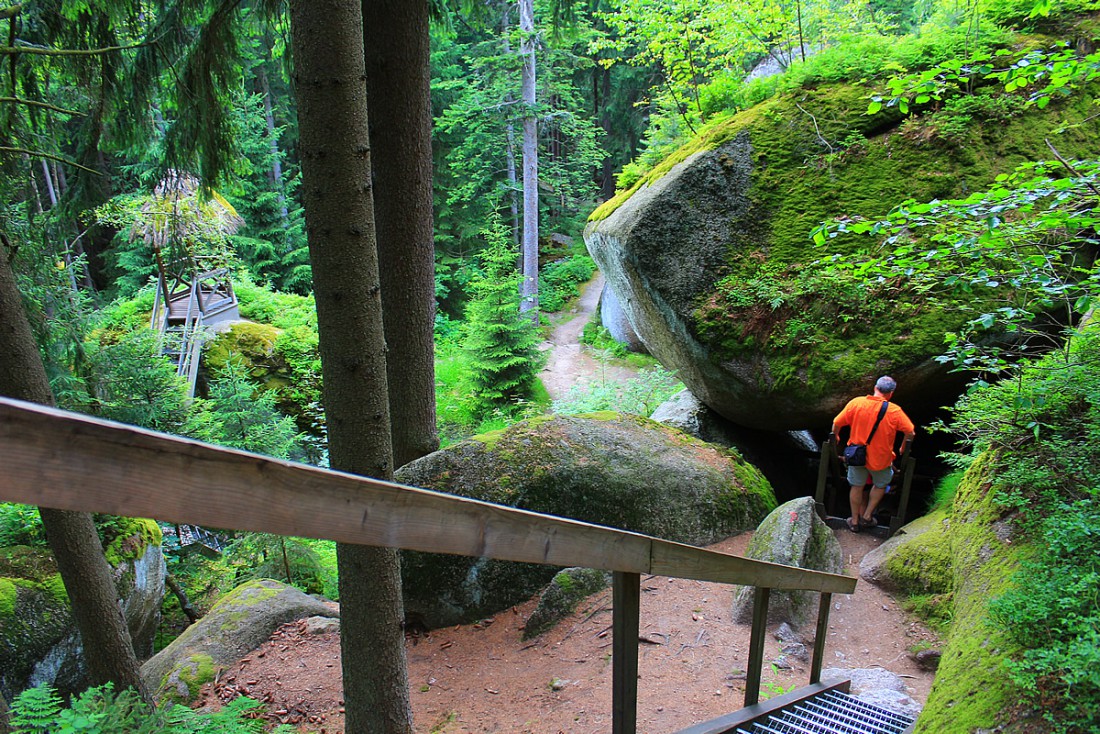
(886, 384)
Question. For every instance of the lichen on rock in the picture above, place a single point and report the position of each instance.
(792, 535)
(238, 623)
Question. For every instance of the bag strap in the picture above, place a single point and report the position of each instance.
(881, 413)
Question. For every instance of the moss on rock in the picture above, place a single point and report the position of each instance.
(608, 469)
(712, 255)
(922, 562)
(7, 597)
(233, 627)
(972, 690)
(250, 344)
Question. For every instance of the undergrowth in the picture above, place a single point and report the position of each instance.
(101, 710)
(1046, 424)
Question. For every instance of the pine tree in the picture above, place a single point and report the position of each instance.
(500, 344)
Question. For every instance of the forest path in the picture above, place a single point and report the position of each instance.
(569, 362)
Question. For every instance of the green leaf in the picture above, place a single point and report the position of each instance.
(874, 107)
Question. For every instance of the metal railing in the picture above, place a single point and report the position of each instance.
(68, 461)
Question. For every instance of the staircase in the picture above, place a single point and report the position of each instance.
(814, 709)
(187, 301)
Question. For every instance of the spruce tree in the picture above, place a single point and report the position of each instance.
(500, 344)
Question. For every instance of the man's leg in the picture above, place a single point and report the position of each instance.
(855, 498)
(877, 493)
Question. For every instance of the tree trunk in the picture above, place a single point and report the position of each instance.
(529, 291)
(276, 155)
(398, 91)
(4, 717)
(72, 535)
(510, 134)
(327, 40)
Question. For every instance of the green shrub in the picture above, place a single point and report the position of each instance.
(639, 396)
(20, 525)
(558, 281)
(102, 711)
(1046, 424)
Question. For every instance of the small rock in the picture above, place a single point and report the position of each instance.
(928, 659)
(782, 663)
(784, 633)
(321, 625)
(796, 650)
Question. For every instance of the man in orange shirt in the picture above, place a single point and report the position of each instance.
(860, 415)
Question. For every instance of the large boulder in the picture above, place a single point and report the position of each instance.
(39, 641)
(792, 535)
(237, 624)
(617, 323)
(916, 560)
(608, 469)
(711, 258)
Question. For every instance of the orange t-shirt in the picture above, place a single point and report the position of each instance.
(860, 415)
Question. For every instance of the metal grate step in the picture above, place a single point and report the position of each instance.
(831, 712)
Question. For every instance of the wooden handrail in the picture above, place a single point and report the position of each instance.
(70, 461)
(53, 458)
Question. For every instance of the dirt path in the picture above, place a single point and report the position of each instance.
(485, 678)
(569, 362)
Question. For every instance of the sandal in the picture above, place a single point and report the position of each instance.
(865, 523)
(853, 528)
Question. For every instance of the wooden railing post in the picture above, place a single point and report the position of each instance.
(756, 644)
(625, 615)
(819, 636)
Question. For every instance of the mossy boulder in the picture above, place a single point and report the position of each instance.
(916, 560)
(237, 624)
(608, 469)
(711, 258)
(39, 642)
(972, 690)
(792, 535)
(562, 595)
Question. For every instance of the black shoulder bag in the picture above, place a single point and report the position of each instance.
(856, 454)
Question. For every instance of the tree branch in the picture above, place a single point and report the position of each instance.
(1070, 168)
(43, 105)
(40, 154)
(42, 51)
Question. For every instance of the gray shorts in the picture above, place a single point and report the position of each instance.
(857, 476)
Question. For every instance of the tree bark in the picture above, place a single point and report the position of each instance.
(529, 291)
(510, 133)
(334, 145)
(398, 92)
(108, 651)
(4, 717)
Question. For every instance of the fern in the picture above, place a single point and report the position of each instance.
(35, 710)
(101, 711)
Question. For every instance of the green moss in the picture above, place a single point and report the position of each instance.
(233, 607)
(192, 674)
(923, 564)
(972, 689)
(55, 587)
(8, 594)
(131, 539)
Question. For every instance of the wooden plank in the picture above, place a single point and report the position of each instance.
(756, 644)
(820, 635)
(689, 562)
(625, 622)
(70, 461)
